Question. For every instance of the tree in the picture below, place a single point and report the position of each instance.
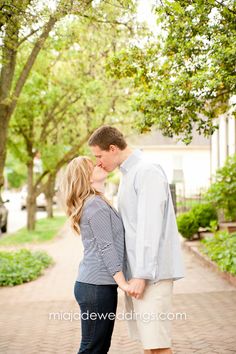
(66, 97)
(222, 192)
(15, 172)
(31, 21)
(186, 76)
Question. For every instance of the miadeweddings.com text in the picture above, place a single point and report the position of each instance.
(127, 316)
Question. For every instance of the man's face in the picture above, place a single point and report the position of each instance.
(107, 159)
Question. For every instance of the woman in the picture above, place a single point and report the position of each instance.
(101, 269)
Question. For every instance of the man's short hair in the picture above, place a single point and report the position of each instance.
(106, 136)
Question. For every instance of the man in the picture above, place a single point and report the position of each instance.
(154, 258)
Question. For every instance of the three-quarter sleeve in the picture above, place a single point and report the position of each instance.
(101, 228)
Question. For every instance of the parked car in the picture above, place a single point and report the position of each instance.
(3, 217)
(41, 201)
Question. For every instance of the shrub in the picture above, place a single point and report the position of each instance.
(187, 225)
(22, 266)
(222, 250)
(204, 214)
(222, 192)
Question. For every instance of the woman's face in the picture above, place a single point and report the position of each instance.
(99, 174)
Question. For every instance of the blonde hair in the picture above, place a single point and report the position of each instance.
(76, 188)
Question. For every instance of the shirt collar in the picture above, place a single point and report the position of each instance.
(131, 161)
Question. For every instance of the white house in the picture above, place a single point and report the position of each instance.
(223, 141)
(189, 167)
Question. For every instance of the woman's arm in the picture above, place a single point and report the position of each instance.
(101, 228)
(121, 282)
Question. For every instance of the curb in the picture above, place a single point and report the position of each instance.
(193, 248)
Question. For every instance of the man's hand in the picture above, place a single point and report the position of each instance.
(136, 288)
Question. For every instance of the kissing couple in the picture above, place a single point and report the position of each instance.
(136, 248)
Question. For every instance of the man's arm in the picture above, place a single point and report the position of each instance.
(152, 190)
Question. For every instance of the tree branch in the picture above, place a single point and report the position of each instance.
(31, 60)
(223, 5)
(54, 114)
(107, 21)
(26, 37)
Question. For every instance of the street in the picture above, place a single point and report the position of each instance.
(16, 217)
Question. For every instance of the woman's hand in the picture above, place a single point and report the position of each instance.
(125, 287)
(121, 282)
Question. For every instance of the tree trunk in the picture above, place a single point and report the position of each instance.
(30, 61)
(31, 198)
(49, 194)
(31, 213)
(49, 206)
(6, 78)
(8, 101)
(3, 142)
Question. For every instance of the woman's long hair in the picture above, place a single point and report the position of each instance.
(76, 188)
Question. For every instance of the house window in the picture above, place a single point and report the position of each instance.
(178, 173)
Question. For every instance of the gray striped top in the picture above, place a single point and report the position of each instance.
(102, 235)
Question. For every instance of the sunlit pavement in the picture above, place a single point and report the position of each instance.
(207, 300)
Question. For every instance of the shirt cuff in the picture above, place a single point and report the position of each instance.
(144, 274)
(115, 270)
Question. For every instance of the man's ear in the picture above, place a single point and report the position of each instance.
(113, 148)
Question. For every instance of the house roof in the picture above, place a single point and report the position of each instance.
(155, 138)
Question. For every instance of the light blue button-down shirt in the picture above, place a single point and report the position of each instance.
(151, 234)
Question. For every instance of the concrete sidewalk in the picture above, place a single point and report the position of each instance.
(207, 300)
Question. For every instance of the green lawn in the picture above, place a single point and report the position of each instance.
(46, 230)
